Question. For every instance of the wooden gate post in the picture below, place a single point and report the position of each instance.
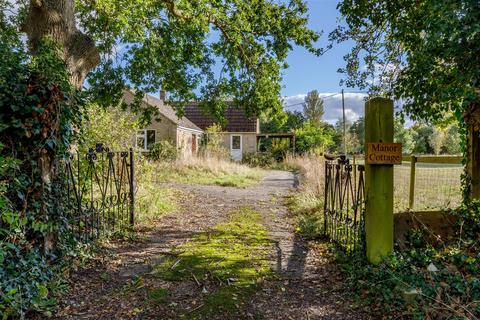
(378, 182)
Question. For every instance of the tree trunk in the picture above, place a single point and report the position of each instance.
(56, 19)
(472, 121)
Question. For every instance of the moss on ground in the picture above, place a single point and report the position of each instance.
(233, 254)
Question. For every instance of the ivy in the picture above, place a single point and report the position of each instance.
(39, 113)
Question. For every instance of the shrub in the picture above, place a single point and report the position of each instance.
(163, 151)
(113, 127)
(257, 159)
(212, 144)
(312, 138)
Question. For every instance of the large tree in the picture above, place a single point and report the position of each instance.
(218, 49)
(207, 50)
(424, 52)
(313, 108)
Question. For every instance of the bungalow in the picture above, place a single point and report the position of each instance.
(239, 133)
(180, 131)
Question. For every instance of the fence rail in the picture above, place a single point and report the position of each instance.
(426, 182)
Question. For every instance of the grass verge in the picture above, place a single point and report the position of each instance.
(209, 171)
(229, 262)
(153, 201)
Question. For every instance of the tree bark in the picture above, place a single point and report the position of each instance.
(56, 19)
(472, 121)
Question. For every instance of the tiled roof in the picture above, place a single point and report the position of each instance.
(236, 120)
(167, 111)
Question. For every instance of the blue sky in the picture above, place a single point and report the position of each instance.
(307, 72)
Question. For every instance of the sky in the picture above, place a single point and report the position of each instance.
(308, 72)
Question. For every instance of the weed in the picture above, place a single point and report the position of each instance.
(158, 295)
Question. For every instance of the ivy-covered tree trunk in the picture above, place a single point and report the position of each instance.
(472, 120)
(55, 20)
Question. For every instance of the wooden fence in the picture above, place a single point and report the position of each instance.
(425, 182)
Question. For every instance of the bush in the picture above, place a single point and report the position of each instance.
(163, 151)
(113, 127)
(256, 159)
(313, 138)
(212, 144)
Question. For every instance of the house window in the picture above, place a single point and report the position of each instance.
(145, 139)
(236, 142)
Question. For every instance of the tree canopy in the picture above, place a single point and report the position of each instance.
(203, 50)
(424, 52)
(313, 108)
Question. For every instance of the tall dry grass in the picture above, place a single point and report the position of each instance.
(311, 169)
(208, 169)
(309, 200)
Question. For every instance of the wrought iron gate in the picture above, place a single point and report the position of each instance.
(344, 204)
(99, 192)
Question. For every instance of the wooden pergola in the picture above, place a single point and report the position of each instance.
(290, 136)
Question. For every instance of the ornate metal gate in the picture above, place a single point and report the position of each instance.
(99, 192)
(344, 204)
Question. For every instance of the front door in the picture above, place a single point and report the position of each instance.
(236, 147)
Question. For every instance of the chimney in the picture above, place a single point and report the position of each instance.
(163, 95)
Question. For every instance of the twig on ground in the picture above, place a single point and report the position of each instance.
(195, 278)
(175, 264)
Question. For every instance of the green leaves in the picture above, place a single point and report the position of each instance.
(206, 50)
(423, 52)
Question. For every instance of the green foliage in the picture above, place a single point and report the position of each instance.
(258, 159)
(313, 108)
(403, 135)
(151, 200)
(422, 134)
(311, 138)
(453, 142)
(310, 226)
(357, 130)
(113, 127)
(38, 114)
(169, 44)
(213, 143)
(163, 151)
(351, 137)
(403, 285)
(285, 121)
(235, 252)
(424, 53)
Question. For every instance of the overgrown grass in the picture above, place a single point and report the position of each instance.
(151, 199)
(208, 171)
(234, 254)
(307, 203)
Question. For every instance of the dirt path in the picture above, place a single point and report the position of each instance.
(307, 285)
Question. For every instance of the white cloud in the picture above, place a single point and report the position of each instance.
(354, 105)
